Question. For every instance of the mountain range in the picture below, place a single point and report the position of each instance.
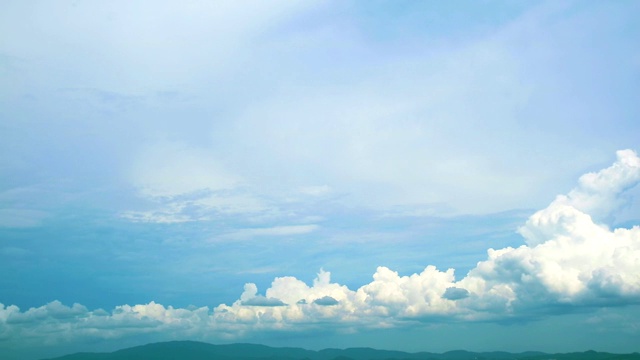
(193, 350)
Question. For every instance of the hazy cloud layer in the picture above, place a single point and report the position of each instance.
(217, 109)
(568, 260)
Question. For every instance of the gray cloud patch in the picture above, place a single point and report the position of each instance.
(326, 301)
(263, 301)
(454, 293)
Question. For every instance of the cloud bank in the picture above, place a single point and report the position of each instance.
(568, 261)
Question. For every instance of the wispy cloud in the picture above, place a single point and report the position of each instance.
(285, 230)
(21, 218)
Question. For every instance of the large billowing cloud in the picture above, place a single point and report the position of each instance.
(569, 260)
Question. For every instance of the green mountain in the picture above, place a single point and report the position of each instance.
(192, 350)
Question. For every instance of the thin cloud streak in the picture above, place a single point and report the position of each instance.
(273, 231)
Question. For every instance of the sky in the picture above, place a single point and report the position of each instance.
(412, 175)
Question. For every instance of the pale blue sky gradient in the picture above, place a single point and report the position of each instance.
(156, 151)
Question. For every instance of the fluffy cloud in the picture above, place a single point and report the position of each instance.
(568, 260)
(250, 298)
(568, 257)
(55, 323)
(600, 193)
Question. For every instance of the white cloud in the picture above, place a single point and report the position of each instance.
(599, 193)
(250, 297)
(569, 261)
(569, 258)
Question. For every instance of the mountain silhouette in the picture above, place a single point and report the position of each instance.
(193, 350)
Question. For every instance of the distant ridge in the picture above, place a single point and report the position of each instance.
(193, 350)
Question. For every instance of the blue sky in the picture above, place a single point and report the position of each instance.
(321, 174)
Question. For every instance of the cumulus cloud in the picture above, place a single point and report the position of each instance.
(568, 259)
(55, 323)
(53, 310)
(599, 193)
(250, 297)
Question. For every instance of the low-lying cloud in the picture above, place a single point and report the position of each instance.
(568, 259)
